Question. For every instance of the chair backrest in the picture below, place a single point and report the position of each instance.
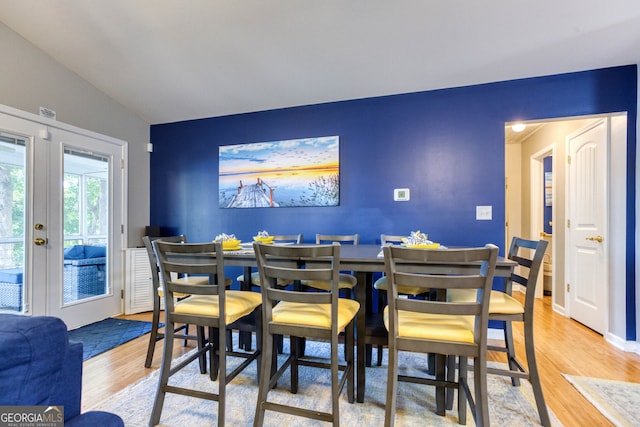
(529, 254)
(297, 263)
(391, 239)
(153, 260)
(441, 270)
(353, 239)
(287, 238)
(178, 259)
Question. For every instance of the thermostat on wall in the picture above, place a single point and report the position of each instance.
(401, 194)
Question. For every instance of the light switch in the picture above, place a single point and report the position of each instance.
(483, 213)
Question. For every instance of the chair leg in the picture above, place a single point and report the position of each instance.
(214, 355)
(349, 344)
(511, 353)
(165, 371)
(440, 372)
(267, 369)
(368, 354)
(201, 343)
(380, 349)
(154, 337)
(480, 389)
(335, 383)
(462, 391)
(392, 387)
(185, 342)
(295, 351)
(534, 376)
(451, 376)
(222, 373)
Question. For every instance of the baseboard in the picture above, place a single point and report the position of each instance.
(622, 344)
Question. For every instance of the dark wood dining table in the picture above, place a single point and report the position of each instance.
(363, 260)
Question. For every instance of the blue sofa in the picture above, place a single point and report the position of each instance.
(40, 367)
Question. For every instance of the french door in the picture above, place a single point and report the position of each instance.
(61, 220)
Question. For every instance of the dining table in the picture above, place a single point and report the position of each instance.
(363, 260)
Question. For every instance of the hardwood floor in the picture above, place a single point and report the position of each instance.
(564, 346)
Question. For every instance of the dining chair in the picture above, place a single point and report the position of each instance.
(438, 326)
(346, 281)
(376, 333)
(318, 315)
(210, 306)
(529, 254)
(277, 239)
(255, 280)
(158, 295)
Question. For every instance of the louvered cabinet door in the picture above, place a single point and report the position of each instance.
(138, 293)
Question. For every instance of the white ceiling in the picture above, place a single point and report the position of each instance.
(171, 60)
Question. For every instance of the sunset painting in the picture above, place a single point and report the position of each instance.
(297, 172)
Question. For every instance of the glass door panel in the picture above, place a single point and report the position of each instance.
(13, 183)
(86, 219)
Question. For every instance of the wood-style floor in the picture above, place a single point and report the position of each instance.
(564, 346)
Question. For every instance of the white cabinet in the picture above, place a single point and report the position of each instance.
(138, 294)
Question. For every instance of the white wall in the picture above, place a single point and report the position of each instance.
(31, 79)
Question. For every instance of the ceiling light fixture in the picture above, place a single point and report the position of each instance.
(518, 127)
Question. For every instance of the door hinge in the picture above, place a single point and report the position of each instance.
(568, 223)
(568, 287)
(121, 293)
(121, 163)
(568, 159)
(121, 228)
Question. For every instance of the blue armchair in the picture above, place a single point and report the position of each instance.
(40, 367)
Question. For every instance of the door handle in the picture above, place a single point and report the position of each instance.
(598, 239)
(39, 241)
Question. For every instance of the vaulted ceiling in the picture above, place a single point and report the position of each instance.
(170, 60)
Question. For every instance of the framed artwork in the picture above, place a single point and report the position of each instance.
(296, 172)
(548, 188)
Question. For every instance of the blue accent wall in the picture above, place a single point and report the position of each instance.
(446, 146)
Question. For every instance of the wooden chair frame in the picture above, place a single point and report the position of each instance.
(207, 259)
(155, 335)
(516, 370)
(409, 267)
(297, 263)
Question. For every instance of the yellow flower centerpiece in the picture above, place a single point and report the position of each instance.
(263, 237)
(419, 240)
(229, 242)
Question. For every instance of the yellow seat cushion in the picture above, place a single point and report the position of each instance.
(238, 305)
(255, 280)
(433, 326)
(346, 281)
(382, 285)
(316, 315)
(499, 303)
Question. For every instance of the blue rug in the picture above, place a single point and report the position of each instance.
(107, 334)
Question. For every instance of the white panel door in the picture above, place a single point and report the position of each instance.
(587, 245)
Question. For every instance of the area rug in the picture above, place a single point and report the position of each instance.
(107, 334)
(512, 406)
(618, 401)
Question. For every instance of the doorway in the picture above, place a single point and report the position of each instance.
(525, 155)
(61, 220)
